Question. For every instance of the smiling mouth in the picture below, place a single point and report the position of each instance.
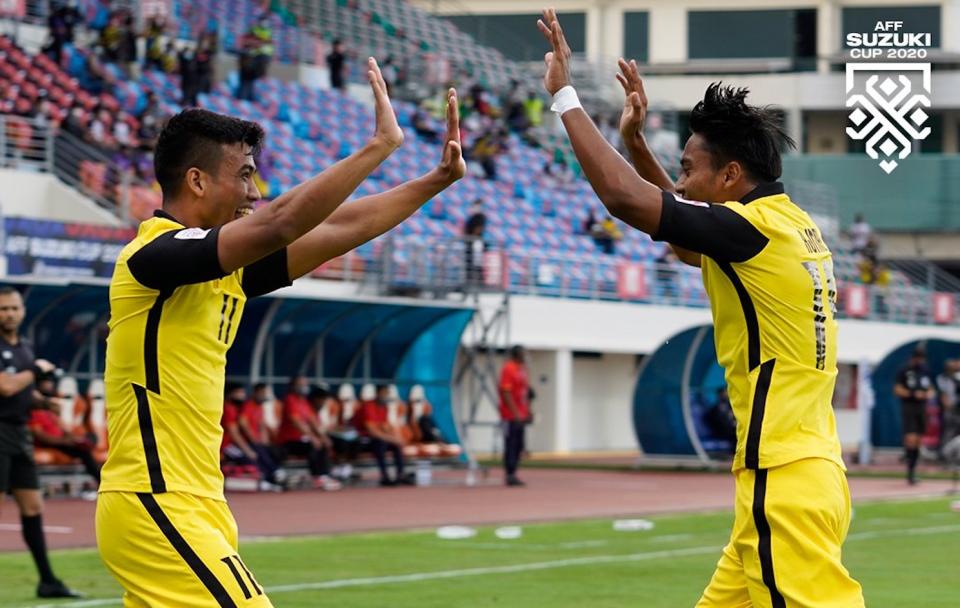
(244, 211)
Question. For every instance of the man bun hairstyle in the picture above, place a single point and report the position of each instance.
(195, 138)
(736, 131)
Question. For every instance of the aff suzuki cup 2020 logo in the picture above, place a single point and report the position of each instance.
(886, 97)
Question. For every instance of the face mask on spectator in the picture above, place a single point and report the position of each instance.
(260, 400)
(303, 391)
(237, 400)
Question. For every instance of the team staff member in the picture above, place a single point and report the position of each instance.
(915, 388)
(176, 301)
(514, 412)
(769, 278)
(18, 472)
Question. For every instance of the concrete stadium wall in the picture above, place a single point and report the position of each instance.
(41, 195)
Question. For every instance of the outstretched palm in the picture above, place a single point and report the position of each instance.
(558, 59)
(388, 130)
(634, 102)
(452, 166)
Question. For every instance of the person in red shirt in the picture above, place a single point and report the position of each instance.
(514, 411)
(300, 434)
(240, 444)
(49, 432)
(377, 436)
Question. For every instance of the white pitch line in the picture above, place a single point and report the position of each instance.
(515, 568)
(50, 529)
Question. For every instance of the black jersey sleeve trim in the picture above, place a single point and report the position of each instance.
(151, 363)
(267, 274)
(209, 580)
(178, 257)
(764, 539)
(716, 231)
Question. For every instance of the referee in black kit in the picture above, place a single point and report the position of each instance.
(19, 371)
(914, 386)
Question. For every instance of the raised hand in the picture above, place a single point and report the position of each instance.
(557, 60)
(634, 102)
(452, 166)
(388, 130)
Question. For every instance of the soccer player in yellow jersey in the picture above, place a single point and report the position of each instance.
(176, 298)
(769, 278)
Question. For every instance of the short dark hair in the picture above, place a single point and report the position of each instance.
(736, 131)
(194, 138)
(259, 386)
(8, 290)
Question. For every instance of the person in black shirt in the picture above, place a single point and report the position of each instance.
(335, 63)
(19, 370)
(915, 388)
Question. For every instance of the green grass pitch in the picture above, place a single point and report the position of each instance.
(904, 553)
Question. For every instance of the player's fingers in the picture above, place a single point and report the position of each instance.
(623, 83)
(548, 58)
(453, 116)
(545, 31)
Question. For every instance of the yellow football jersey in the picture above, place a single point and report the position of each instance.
(173, 315)
(769, 277)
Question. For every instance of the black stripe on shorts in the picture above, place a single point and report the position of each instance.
(764, 542)
(193, 560)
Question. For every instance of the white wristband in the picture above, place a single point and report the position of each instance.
(565, 99)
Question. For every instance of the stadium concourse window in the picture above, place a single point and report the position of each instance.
(636, 35)
(788, 34)
(916, 19)
(510, 34)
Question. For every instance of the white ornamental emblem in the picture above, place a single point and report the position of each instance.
(888, 108)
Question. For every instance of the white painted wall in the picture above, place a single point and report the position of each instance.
(602, 413)
(40, 195)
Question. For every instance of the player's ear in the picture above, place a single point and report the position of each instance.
(732, 173)
(196, 181)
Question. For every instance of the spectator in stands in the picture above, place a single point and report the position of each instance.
(153, 57)
(914, 387)
(206, 52)
(187, 62)
(860, 234)
(389, 72)
(299, 434)
(18, 471)
(127, 55)
(378, 437)
(590, 223)
(533, 107)
(474, 244)
(61, 21)
(49, 432)
(948, 387)
(607, 235)
(667, 273)
(515, 413)
(100, 133)
(336, 63)
(422, 125)
(243, 437)
(486, 149)
(720, 417)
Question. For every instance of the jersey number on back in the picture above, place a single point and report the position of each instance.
(819, 271)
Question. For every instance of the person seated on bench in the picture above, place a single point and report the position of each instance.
(424, 427)
(242, 443)
(344, 438)
(720, 418)
(378, 437)
(50, 432)
(300, 435)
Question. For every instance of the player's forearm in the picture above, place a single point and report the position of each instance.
(622, 191)
(11, 384)
(647, 164)
(300, 209)
(360, 221)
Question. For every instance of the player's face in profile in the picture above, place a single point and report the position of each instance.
(699, 179)
(11, 312)
(233, 190)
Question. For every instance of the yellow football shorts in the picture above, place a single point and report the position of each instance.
(174, 549)
(784, 552)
